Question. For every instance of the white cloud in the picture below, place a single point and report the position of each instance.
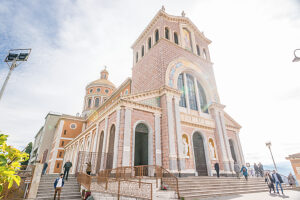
(253, 43)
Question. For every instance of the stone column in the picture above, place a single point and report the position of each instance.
(240, 148)
(74, 163)
(157, 138)
(181, 159)
(172, 152)
(214, 110)
(127, 134)
(116, 142)
(197, 95)
(103, 157)
(96, 139)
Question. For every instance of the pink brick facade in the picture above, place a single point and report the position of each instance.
(185, 139)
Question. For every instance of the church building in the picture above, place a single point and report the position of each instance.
(167, 114)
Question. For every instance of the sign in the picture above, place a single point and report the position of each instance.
(28, 180)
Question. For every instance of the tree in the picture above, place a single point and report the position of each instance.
(10, 164)
(27, 150)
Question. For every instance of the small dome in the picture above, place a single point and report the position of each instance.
(103, 81)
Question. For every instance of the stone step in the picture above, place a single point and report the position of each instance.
(47, 190)
(208, 187)
(62, 194)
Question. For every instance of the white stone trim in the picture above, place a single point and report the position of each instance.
(127, 134)
(116, 142)
(157, 128)
(104, 143)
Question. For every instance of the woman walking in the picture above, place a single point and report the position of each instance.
(291, 180)
(270, 182)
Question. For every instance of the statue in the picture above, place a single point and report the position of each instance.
(185, 146)
(212, 149)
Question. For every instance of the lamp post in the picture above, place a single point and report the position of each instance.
(14, 58)
(268, 144)
(297, 58)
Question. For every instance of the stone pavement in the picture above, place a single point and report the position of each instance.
(289, 195)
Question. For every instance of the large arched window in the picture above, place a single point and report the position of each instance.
(143, 50)
(149, 43)
(180, 86)
(204, 54)
(194, 90)
(202, 98)
(167, 36)
(175, 38)
(137, 57)
(191, 92)
(89, 103)
(156, 35)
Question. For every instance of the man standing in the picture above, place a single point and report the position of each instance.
(261, 169)
(58, 184)
(44, 168)
(256, 169)
(237, 169)
(67, 167)
(217, 168)
(278, 180)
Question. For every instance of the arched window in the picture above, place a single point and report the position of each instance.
(175, 38)
(156, 35)
(149, 43)
(204, 54)
(192, 92)
(96, 102)
(198, 50)
(137, 57)
(89, 103)
(180, 86)
(143, 50)
(167, 33)
(202, 98)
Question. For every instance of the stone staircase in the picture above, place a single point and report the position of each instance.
(204, 187)
(70, 191)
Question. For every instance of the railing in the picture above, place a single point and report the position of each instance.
(85, 180)
(168, 180)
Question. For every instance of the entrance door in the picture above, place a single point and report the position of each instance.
(141, 145)
(199, 154)
(232, 150)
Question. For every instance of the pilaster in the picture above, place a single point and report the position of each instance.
(103, 156)
(157, 139)
(127, 134)
(116, 142)
(181, 159)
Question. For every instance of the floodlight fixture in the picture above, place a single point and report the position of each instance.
(14, 58)
(297, 58)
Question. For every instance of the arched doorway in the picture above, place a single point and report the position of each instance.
(232, 150)
(110, 152)
(199, 154)
(100, 154)
(141, 145)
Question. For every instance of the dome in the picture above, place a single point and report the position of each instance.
(103, 80)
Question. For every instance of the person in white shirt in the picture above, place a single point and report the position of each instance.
(58, 184)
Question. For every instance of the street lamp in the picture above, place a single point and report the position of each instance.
(297, 58)
(14, 58)
(268, 144)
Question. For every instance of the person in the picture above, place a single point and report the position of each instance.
(237, 169)
(217, 168)
(44, 168)
(67, 167)
(58, 184)
(291, 180)
(261, 169)
(256, 169)
(244, 171)
(277, 180)
(89, 168)
(270, 182)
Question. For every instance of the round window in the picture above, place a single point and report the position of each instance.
(73, 126)
(106, 91)
(91, 90)
(98, 89)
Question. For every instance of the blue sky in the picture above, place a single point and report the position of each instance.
(252, 48)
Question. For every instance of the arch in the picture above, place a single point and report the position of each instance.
(176, 38)
(110, 151)
(233, 150)
(206, 153)
(137, 57)
(150, 141)
(143, 50)
(180, 65)
(167, 33)
(100, 154)
(156, 35)
(181, 86)
(149, 43)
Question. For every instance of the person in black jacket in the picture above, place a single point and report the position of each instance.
(270, 182)
(67, 167)
(217, 168)
(277, 180)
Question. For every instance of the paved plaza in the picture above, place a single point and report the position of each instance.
(289, 194)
